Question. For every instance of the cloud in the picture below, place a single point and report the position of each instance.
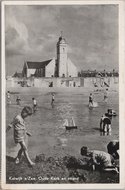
(16, 35)
(30, 23)
(91, 33)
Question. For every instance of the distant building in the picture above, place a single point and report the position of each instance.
(60, 67)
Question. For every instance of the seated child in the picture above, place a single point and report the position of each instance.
(20, 132)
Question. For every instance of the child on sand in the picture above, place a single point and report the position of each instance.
(20, 133)
(100, 159)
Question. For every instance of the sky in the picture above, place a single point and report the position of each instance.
(91, 32)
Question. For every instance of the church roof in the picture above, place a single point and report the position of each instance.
(62, 40)
(37, 65)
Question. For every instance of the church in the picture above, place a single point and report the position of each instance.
(62, 66)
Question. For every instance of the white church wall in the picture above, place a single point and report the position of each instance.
(72, 70)
(50, 68)
(30, 72)
(63, 65)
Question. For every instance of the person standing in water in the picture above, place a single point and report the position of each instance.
(53, 99)
(90, 100)
(105, 124)
(105, 95)
(18, 100)
(34, 105)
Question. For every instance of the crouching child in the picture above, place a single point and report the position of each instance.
(99, 159)
(20, 133)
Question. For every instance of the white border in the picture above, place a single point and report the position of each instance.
(121, 185)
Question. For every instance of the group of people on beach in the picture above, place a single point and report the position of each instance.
(97, 159)
(105, 121)
(18, 101)
(91, 99)
(34, 101)
(105, 160)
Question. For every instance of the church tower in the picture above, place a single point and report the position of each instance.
(62, 65)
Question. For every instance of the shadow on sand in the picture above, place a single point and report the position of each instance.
(10, 159)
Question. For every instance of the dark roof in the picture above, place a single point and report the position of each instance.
(37, 65)
(17, 75)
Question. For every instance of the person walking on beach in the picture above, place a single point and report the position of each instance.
(90, 100)
(34, 105)
(20, 133)
(99, 159)
(53, 99)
